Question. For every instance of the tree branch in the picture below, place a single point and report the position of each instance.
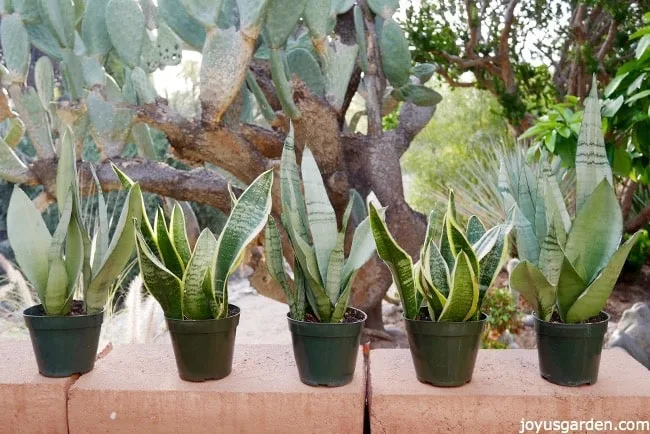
(640, 221)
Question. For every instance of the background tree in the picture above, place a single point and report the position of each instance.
(305, 69)
(528, 53)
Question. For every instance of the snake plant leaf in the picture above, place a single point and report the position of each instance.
(93, 28)
(457, 241)
(490, 264)
(74, 255)
(395, 54)
(290, 186)
(15, 44)
(29, 239)
(541, 226)
(161, 283)
(246, 220)
(56, 292)
(398, 261)
(145, 226)
(438, 272)
(431, 233)
(553, 197)
(593, 299)
(596, 231)
(281, 20)
(66, 172)
(569, 287)
(101, 242)
(551, 255)
(592, 165)
(359, 210)
(445, 247)
(166, 248)
(527, 244)
(126, 28)
(362, 248)
(55, 295)
(274, 255)
(299, 300)
(475, 229)
(417, 278)
(205, 12)
(527, 193)
(195, 305)
(306, 257)
(529, 281)
(178, 233)
(336, 260)
(118, 253)
(462, 300)
(434, 299)
(342, 303)
(486, 243)
(11, 167)
(59, 15)
(320, 213)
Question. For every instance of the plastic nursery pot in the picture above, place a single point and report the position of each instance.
(204, 348)
(63, 345)
(326, 353)
(444, 353)
(569, 354)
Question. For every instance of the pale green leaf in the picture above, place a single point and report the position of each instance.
(398, 261)
(29, 239)
(462, 301)
(593, 299)
(529, 281)
(166, 248)
(569, 287)
(161, 283)
(363, 247)
(342, 303)
(246, 220)
(320, 213)
(55, 296)
(195, 305)
(596, 231)
(592, 165)
(66, 170)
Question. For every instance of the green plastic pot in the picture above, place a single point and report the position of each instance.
(204, 348)
(444, 353)
(569, 354)
(325, 353)
(63, 345)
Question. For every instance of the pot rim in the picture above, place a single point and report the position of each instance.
(205, 321)
(572, 325)
(482, 318)
(330, 324)
(34, 315)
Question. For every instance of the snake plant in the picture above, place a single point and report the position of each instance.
(451, 276)
(323, 276)
(72, 260)
(570, 265)
(192, 283)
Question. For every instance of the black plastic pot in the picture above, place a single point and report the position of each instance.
(63, 345)
(204, 348)
(444, 353)
(326, 354)
(569, 354)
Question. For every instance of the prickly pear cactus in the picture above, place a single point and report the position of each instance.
(15, 47)
(125, 24)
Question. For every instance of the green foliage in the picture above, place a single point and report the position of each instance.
(452, 276)
(625, 110)
(323, 277)
(502, 316)
(569, 266)
(458, 150)
(640, 252)
(57, 265)
(193, 284)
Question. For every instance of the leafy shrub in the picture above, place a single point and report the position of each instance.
(502, 316)
(639, 253)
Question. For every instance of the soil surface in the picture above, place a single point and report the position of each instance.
(76, 310)
(351, 316)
